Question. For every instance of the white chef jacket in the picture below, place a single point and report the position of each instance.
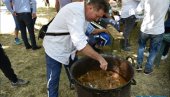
(71, 18)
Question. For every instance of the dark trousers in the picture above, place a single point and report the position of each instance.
(167, 44)
(25, 21)
(166, 49)
(128, 27)
(5, 66)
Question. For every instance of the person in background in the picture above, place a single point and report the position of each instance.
(108, 18)
(167, 30)
(22, 11)
(5, 66)
(61, 3)
(128, 9)
(58, 3)
(47, 3)
(97, 37)
(9, 6)
(70, 37)
(115, 12)
(152, 28)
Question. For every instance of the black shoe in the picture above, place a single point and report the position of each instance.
(139, 68)
(28, 47)
(148, 72)
(20, 82)
(36, 48)
(72, 86)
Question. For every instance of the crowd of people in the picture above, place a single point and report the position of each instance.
(24, 15)
(75, 33)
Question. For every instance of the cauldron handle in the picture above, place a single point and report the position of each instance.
(70, 77)
(129, 57)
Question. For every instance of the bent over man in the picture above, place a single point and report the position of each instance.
(68, 29)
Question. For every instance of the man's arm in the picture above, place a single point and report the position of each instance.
(57, 6)
(87, 50)
(34, 8)
(8, 5)
(97, 31)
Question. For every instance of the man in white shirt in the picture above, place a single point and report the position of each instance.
(69, 28)
(152, 29)
(128, 15)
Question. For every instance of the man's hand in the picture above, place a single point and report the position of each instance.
(105, 30)
(87, 50)
(103, 64)
(14, 13)
(34, 15)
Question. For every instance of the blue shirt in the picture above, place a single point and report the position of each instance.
(20, 6)
(89, 29)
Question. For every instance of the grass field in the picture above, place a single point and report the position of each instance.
(30, 65)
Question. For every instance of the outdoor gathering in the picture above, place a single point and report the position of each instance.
(84, 48)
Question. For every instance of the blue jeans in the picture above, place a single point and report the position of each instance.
(155, 43)
(17, 28)
(53, 76)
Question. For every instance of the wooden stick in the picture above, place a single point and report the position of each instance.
(114, 33)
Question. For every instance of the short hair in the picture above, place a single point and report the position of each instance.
(99, 4)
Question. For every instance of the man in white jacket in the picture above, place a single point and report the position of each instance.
(68, 35)
(152, 29)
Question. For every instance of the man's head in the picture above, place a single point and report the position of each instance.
(95, 9)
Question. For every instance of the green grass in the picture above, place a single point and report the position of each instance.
(30, 65)
(1, 3)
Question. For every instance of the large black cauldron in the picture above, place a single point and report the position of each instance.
(121, 66)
